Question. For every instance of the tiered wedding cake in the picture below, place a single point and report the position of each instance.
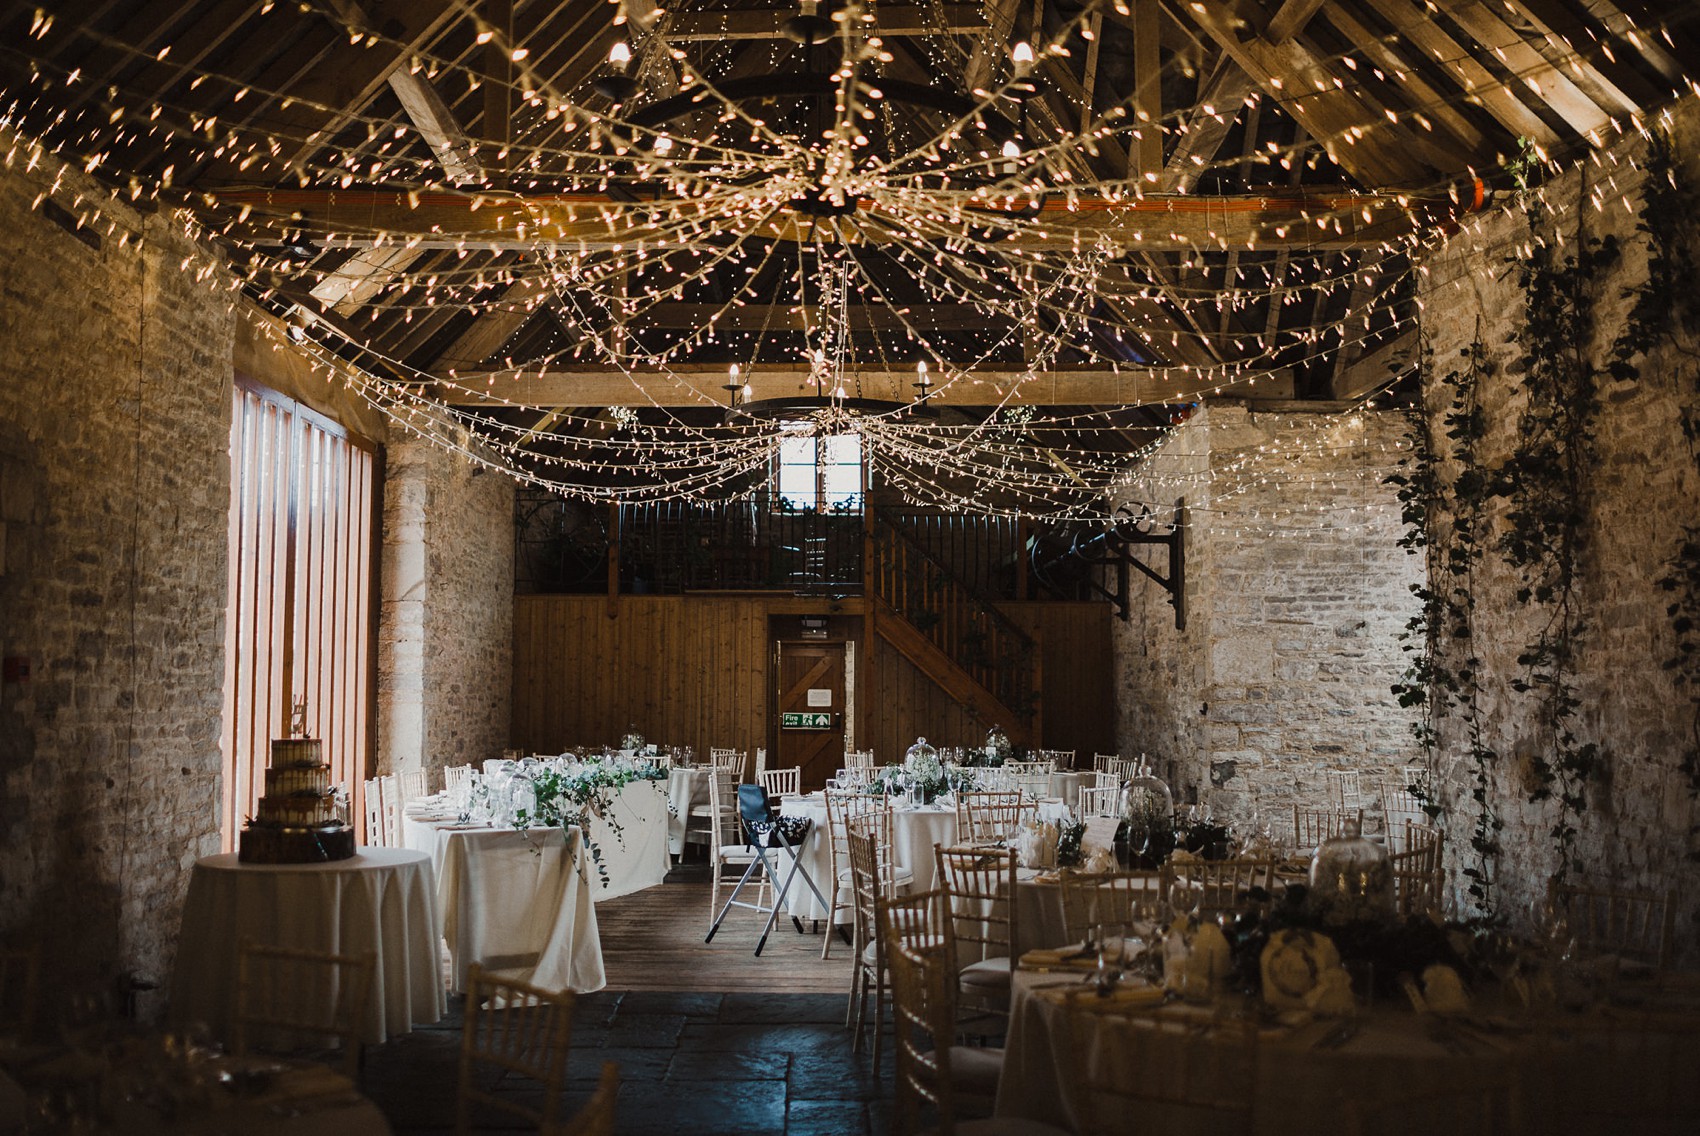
(297, 821)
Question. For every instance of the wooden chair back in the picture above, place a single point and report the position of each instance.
(518, 1029)
(987, 818)
(859, 759)
(841, 809)
(1345, 790)
(377, 835)
(1100, 801)
(454, 776)
(984, 914)
(1118, 899)
(1312, 826)
(1419, 885)
(731, 760)
(596, 1118)
(1638, 925)
(1227, 886)
(782, 782)
(410, 786)
(283, 993)
(924, 1020)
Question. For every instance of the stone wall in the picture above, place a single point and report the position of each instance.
(1295, 596)
(1638, 829)
(115, 402)
(445, 639)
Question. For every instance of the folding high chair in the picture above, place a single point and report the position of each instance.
(768, 838)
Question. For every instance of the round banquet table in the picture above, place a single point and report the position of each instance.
(914, 831)
(1611, 1070)
(382, 900)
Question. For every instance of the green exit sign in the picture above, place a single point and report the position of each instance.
(791, 720)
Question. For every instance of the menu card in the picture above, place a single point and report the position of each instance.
(1100, 833)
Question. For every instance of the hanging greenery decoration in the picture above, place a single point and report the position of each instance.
(1545, 483)
(1443, 495)
(1666, 316)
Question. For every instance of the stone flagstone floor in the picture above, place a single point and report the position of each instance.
(690, 1063)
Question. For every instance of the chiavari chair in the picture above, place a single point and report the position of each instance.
(519, 1030)
(275, 992)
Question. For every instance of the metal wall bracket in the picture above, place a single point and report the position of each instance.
(1113, 548)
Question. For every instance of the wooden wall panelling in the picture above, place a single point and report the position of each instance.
(696, 670)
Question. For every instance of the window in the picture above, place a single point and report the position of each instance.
(820, 472)
(299, 619)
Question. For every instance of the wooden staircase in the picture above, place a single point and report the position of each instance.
(950, 632)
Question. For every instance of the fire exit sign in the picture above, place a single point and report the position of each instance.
(790, 720)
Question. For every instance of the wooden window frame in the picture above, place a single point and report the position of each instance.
(285, 459)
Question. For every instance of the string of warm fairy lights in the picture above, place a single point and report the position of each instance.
(950, 209)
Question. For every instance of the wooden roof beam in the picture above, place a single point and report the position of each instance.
(894, 20)
(1349, 124)
(703, 385)
(1534, 73)
(1367, 374)
(1290, 19)
(1220, 100)
(567, 223)
(1480, 84)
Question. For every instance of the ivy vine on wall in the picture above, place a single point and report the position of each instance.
(1667, 314)
(1443, 498)
(1545, 483)
(1446, 493)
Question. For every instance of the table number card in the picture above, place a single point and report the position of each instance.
(1100, 833)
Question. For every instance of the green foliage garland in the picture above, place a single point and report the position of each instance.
(1545, 484)
(1667, 315)
(1443, 494)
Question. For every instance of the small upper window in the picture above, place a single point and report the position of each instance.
(821, 472)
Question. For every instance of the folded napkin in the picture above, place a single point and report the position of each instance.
(1122, 996)
(1061, 956)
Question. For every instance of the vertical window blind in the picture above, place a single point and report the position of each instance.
(303, 495)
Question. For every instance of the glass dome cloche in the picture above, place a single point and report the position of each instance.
(923, 772)
(1351, 878)
(1146, 835)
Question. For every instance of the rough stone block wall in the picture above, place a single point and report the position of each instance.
(446, 630)
(115, 402)
(1636, 833)
(1295, 597)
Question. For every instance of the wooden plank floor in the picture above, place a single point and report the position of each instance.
(652, 940)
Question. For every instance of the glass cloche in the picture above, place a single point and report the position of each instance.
(1351, 878)
(1146, 835)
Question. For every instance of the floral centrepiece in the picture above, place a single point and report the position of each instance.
(563, 792)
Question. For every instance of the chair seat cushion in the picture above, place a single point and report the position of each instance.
(900, 876)
(740, 852)
(990, 974)
(975, 1070)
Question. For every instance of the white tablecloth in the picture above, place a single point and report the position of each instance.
(913, 834)
(685, 788)
(519, 905)
(631, 843)
(1399, 1073)
(382, 900)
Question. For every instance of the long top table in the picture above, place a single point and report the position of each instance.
(383, 900)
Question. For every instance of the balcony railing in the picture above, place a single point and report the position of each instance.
(760, 543)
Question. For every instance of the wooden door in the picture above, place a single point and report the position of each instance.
(805, 668)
